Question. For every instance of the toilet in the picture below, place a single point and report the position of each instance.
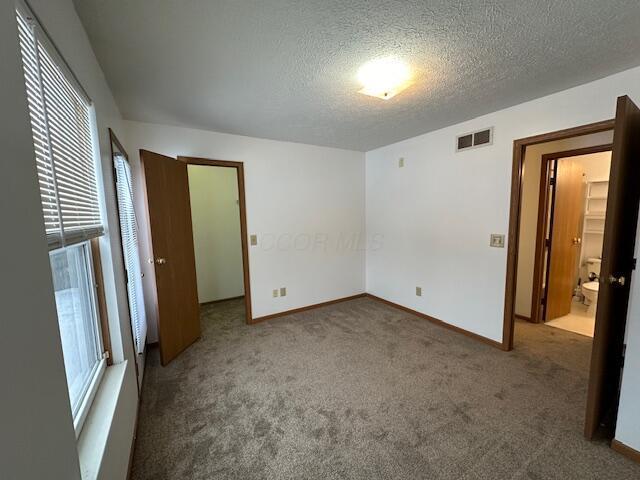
(590, 289)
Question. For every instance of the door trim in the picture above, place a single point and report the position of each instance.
(541, 229)
(519, 147)
(239, 166)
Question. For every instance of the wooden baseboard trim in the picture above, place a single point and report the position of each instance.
(522, 317)
(625, 450)
(137, 421)
(133, 441)
(440, 323)
(308, 307)
(221, 300)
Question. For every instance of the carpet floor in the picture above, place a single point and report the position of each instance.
(361, 390)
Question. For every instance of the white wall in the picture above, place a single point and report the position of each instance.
(215, 214)
(305, 203)
(436, 214)
(628, 423)
(37, 432)
(529, 209)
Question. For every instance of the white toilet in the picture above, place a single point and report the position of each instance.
(590, 289)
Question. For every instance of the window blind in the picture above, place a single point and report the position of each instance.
(61, 126)
(129, 235)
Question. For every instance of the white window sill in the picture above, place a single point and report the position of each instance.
(95, 431)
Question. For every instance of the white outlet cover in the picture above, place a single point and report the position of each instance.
(419, 291)
(283, 292)
(275, 292)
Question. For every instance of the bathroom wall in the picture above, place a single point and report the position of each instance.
(215, 215)
(529, 209)
(596, 166)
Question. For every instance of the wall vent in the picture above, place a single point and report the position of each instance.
(478, 138)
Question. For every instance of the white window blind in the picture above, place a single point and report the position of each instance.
(129, 235)
(61, 119)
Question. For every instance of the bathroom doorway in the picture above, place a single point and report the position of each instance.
(545, 229)
(606, 357)
(573, 193)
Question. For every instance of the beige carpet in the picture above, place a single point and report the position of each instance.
(360, 390)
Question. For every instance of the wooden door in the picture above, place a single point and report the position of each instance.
(169, 209)
(615, 272)
(567, 216)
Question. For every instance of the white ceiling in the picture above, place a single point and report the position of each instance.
(286, 69)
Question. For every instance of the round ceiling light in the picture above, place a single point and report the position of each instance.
(384, 77)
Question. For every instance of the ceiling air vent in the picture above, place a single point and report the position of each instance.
(474, 139)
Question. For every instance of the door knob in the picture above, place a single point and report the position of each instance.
(617, 280)
(161, 261)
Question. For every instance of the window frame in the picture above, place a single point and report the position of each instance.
(89, 243)
(117, 147)
(97, 372)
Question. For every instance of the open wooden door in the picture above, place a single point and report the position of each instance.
(615, 273)
(567, 214)
(167, 190)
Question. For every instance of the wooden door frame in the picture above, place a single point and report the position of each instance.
(544, 204)
(519, 147)
(239, 166)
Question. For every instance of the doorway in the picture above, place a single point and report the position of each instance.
(569, 238)
(617, 263)
(171, 238)
(242, 280)
(215, 215)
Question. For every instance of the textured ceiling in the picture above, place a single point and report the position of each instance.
(286, 69)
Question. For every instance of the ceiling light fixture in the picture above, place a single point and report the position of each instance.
(384, 77)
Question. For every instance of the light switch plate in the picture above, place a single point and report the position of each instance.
(275, 292)
(496, 240)
(419, 291)
(283, 292)
(401, 162)
(253, 240)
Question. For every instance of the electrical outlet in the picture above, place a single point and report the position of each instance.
(283, 292)
(419, 291)
(253, 240)
(401, 162)
(275, 292)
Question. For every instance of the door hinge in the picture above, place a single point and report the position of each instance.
(552, 181)
(106, 355)
(547, 242)
(633, 263)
